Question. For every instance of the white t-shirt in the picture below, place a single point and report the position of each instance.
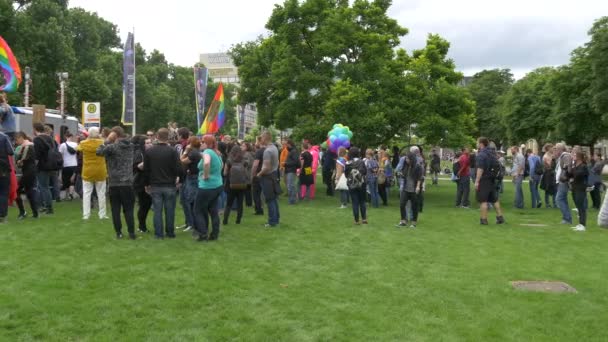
(69, 160)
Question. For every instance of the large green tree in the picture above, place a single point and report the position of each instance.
(335, 61)
(577, 119)
(528, 108)
(597, 49)
(488, 89)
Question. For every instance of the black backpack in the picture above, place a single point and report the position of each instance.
(238, 176)
(495, 169)
(355, 174)
(54, 159)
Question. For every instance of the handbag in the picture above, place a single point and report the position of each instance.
(342, 185)
(381, 178)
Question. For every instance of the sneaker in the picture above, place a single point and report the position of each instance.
(182, 227)
(413, 225)
(22, 216)
(104, 218)
(357, 223)
(119, 235)
(143, 230)
(465, 207)
(575, 210)
(483, 222)
(579, 228)
(188, 229)
(500, 220)
(132, 237)
(85, 218)
(565, 222)
(364, 222)
(401, 224)
(268, 225)
(343, 206)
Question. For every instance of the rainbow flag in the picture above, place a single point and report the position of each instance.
(216, 114)
(10, 68)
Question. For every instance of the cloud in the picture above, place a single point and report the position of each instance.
(518, 34)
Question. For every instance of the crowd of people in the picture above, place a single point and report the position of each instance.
(558, 171)
(213, 177)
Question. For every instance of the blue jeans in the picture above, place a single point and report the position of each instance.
(164, 198)
(273, 211)
(534, 191)
(292, 188)
(188, 197)
(519, 192)
(463, 191)
(46, 198)
(562, 201)
(372, 188)
(344, 197)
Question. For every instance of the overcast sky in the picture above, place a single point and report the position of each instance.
(516, 34)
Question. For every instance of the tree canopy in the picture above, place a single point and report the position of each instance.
(326, 62)
(49, 37)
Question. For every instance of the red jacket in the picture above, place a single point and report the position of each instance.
(465, 165)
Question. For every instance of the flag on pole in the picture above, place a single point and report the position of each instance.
(216, 115)
(128, 82)
(200, 93)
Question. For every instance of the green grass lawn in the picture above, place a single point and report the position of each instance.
(316, 278)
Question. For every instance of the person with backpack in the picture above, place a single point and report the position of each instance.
(235, 171)
(49, 161)
(356, 173)
(372, 166)
(94, 174)
(489, 174)
(536, 172)
(70, 164)
(413, 174)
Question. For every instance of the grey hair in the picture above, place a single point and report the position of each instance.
(414, 149)
(94, 132)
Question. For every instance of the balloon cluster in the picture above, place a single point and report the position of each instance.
(339, 136)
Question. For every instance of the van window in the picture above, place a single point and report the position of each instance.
(62, 132)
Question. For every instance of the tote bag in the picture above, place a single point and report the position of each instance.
(342, 185)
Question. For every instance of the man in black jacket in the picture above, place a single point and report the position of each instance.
(161, 178)
(118, 153)
(292, 163)
(47, 169)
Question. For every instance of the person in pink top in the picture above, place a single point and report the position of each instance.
(315, 165)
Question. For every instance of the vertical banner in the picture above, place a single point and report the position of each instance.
(200, 93)
(128, 82)
(91, 114)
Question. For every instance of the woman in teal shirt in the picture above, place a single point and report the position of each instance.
(210, 187)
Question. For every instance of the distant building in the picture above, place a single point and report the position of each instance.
(465, 81)
(248, 116)
(221, 68)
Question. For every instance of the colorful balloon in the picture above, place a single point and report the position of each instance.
(10, 68)
(339, 136)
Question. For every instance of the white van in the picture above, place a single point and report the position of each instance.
(24, 117)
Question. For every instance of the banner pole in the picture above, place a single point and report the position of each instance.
(134, 86)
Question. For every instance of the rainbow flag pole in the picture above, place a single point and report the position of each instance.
(216, 114)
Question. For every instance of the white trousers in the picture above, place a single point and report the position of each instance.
(87, 189)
